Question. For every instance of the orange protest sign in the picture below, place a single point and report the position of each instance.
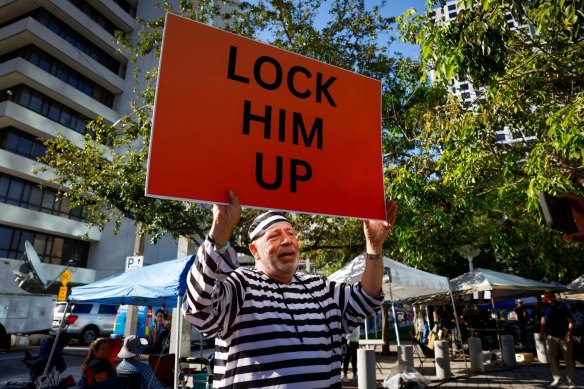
(281, 130)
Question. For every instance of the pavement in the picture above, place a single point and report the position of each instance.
(528, 375)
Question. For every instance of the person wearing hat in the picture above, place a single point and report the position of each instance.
(274, 327)
(130, 365)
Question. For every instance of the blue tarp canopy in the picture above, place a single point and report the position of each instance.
(158, 284)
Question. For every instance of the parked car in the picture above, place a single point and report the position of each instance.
(85, 321)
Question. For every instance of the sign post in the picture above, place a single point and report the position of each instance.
(134, 262)
(65, 277)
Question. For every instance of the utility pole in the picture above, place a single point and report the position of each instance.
(132, 312)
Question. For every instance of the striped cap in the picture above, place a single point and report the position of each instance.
(263, 223)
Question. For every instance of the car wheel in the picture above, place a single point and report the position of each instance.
(88, 335)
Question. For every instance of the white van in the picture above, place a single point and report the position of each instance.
(21, 312)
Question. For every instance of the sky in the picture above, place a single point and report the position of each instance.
(392, 8)
(397, 8)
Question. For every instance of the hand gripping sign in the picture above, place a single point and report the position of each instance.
(281, 130)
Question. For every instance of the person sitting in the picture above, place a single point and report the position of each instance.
(158, 335)
(130, 365)
(96, 367)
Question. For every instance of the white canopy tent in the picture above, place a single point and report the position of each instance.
(577, 285)
(501, 285)
(406, 283)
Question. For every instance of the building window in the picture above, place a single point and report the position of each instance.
(95, 15)
(50, 248)
(21, 143)
(451, 7)
(25, 194)
(126, 6)
(63, 72)
(465, 95)
(77, 40)
(45, 106)
(452, 15)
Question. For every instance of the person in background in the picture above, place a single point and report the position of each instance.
(556, 329)
(273, 326)
(159, 334)
(521, 318)
(96, 367)
(351, 354)
(130, 365)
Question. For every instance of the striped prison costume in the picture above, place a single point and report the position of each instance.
(270, 334)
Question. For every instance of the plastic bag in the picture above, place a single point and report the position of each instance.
(405, 377)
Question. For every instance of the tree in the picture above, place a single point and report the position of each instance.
(107, 174)
(470, 187)
(455, 184)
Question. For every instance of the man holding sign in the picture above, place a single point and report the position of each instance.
(273, 327)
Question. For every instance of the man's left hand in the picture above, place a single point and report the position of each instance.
(376, 231)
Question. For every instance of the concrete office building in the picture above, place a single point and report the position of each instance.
(59, 69)
(464, 89)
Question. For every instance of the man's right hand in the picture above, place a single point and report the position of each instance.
(225, 218)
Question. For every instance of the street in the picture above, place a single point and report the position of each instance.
(13, 369)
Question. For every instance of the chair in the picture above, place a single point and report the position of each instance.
(163, 368)
(422, 351)
(134, 381)
(37, 364)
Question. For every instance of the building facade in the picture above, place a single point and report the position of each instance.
(464, 89)
(59, 68)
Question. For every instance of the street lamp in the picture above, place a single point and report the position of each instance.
(469, 252)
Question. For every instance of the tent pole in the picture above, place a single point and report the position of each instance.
(178, 341)
(388, 271)
(457, 325)
(498, 326)
(366, 330)
(48, 365)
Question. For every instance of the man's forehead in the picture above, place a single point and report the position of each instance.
(280, 226)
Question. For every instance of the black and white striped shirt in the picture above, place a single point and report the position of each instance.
(270, 334)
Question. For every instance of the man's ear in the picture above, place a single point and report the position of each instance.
(253, 249)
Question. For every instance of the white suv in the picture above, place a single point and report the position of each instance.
(85, 321)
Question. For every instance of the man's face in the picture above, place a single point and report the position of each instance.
(276, 252)
(549, 297)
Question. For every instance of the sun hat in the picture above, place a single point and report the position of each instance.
(132, 346)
